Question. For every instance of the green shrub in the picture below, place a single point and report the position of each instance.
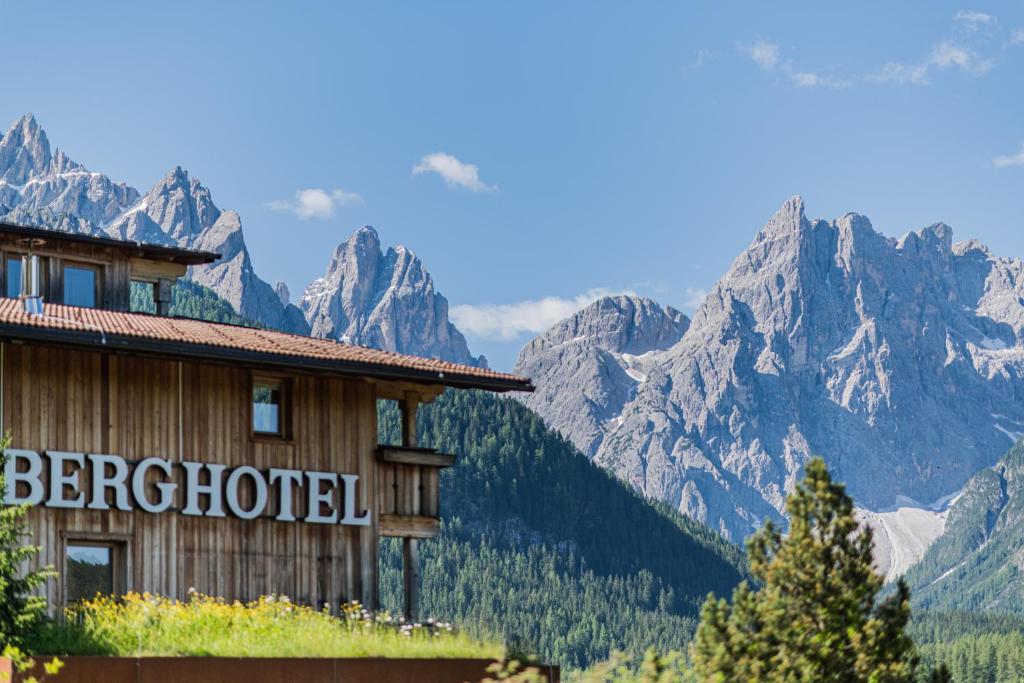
(20, 610)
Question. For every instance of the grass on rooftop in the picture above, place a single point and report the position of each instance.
(140, 625)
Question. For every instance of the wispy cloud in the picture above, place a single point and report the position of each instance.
(507, 321)
(455, 173)
(974, 21)
(973, 39)
(315, 203)
(1010, 159)
(768, 57)
(694, 299)
(698, 62)
(947, 55)
(1016, 38)
(944, 55)
(764, 54)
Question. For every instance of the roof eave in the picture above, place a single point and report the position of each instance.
(112, 342)
(188, 257)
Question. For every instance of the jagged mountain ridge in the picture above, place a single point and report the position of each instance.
(384, 299)
(899, 361)
(47, 189)
(603, 352)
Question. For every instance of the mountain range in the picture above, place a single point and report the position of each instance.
(362, 299)
(898, 360)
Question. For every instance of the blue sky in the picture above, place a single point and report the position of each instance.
(564, 149)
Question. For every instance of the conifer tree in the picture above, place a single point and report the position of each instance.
(816, 614)
(19, 609)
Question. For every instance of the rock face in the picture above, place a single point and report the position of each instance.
(384, 300)
(901, 362)
(588, 367)
(32, 179)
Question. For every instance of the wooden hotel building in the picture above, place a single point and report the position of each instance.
(166, 454)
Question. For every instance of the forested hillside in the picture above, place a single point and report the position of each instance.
(975, 564)
(544, 548)
(977, 648)
(191, 300)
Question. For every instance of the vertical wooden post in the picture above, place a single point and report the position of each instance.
(410, 549)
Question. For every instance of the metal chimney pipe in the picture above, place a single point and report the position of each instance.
(32, 284)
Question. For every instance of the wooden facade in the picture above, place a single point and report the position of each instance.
(80, 387)
(81, 401)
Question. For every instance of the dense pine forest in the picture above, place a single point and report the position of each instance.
(191, 300)
(547, 550)
(977, 647)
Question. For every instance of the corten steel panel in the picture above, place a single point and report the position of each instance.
(232, 670)
(89, 670)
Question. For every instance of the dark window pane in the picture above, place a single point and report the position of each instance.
(90, 571)
(79, 286)
(266, 408)
(14, 277)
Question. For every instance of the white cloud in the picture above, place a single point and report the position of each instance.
(972, 20)
(455, 173)
(1010, 159)
(948, 54)
(808, 79)
(315, 203)
(1016, 38)
(944, 55)
(764, 54)
(507, 321)
(900, 74)
(768, 57)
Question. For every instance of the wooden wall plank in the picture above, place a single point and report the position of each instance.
(60, 399)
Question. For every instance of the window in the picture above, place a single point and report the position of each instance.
(267, 410)
(13, 278)
(91, 569)
(80, 286)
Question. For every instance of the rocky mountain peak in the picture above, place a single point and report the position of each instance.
(620, 324)
(604, 352)
(181, 206)
(384, 300)
(899, 361)
(24, 151)
(283, 293)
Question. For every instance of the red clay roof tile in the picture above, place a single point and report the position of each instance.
(255, 342)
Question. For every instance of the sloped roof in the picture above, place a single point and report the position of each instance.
(184, 337)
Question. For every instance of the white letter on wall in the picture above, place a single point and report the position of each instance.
(165, 488)
(59, 480)
(289, 479)
(350, 502)
(234, 504)
(101, 482)
(31, 476)
(193, 489)
(317, 498)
